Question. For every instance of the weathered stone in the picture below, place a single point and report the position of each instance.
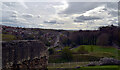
(24, 54)
(105, 61)
(109, 61)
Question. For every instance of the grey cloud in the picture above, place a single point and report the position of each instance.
(8, 20)
(85, 18)
(14, 16)
(10, 4)
(11, 18)
(113, 5)
(60, 23)
(81, 7)
(27, 15)
(13, 5)
(46, 9)
(15, 22)
(52, 21)
(8, 12)
(38, 16)
(114, 13)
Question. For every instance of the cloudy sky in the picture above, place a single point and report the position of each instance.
(60, 15)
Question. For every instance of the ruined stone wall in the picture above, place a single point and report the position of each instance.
(16, 52)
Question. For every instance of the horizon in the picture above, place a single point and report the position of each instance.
(58, 29)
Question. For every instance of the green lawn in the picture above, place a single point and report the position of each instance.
(83, 59)
(98, 52)
(66, 65)
(101, 51)
(108, 67)
(98, 48)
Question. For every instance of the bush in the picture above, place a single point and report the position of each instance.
(82, 50)
(91, 49)
(51, 51)
(85, 58)
(66, 54)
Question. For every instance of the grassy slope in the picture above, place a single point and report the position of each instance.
(101, 51)
(66, 65)
(97, 48)
(97, 53)
(108, 67)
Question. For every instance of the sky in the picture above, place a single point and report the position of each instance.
(60, 15)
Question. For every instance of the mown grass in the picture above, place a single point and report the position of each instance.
(66, 65)
(98, 48)
(108, 67)
(76, 58)
(101, 51)
(97, 53)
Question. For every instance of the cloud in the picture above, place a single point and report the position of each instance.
(12, 17)
(51, 21)
(27, 15)
(60, 15)
(113, 12)
(63, 5)
(80, 7)
(38, 16)
(85, 18)
(9, 4)
(23, 3)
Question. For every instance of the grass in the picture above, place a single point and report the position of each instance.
(66, 65)
(105, 51)
(8, 37)
(76, 58)
(97, 48)
(98, 52)
(108, 67)
(83, 59)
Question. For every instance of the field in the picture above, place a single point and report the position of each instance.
(80, 60)
(108, 67)
(97, 53)
(66, 65)
(101, 51)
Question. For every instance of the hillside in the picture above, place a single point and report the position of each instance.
(105, 36)
(82, 46)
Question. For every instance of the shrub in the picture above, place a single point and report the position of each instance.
(66, 54)
(51, 51)
(91, 49)
(82, 50)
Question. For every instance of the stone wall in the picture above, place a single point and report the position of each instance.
(19, 51)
